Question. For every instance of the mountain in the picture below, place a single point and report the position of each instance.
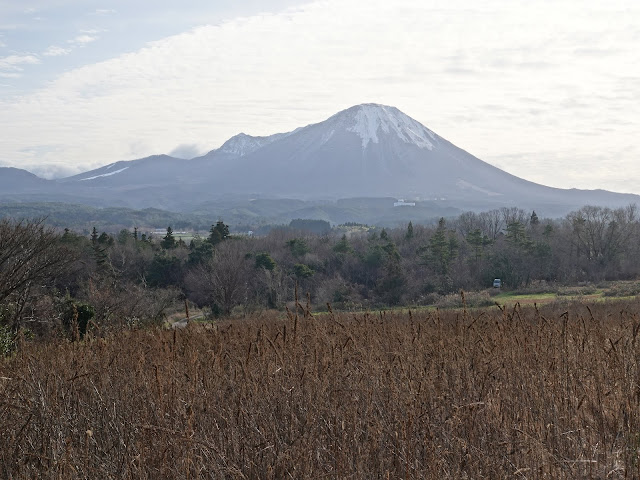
(368, 150)
(153, 170)
(20, 185)
(16, 180)
(377, 151)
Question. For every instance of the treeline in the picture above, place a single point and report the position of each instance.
(81, 218)
(52, 280)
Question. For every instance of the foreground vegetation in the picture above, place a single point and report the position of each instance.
(548, 392)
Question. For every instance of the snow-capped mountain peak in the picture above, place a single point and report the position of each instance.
(243, 144)
(369, 119)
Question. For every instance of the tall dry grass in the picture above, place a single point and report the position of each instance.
(496, 393)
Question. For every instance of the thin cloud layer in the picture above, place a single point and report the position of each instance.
(83, 39)
(547, 94)
(15, 63)
(55, 51)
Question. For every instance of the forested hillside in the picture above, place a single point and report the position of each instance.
(241, 215)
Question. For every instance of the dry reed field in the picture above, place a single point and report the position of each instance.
(495, 393)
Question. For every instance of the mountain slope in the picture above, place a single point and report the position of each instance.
(154, 170)
(17, 180)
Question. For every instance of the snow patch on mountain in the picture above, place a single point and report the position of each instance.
(104, 174)
(368, 119)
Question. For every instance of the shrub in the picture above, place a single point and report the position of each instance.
(576, 291)
(471, 299)
(623, 289)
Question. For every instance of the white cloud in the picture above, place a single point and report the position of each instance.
(447, 65)
(187, 151)
(83, 39)
(14, 61)
(104, 12)
(12, 66)
(55, 51)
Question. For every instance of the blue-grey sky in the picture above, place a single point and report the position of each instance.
(547, 90)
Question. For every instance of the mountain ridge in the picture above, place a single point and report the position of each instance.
(367, 150)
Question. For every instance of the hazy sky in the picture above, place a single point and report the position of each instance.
(547, 90)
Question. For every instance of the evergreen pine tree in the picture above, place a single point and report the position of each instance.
(343, 245)
(168, 241)
(264, 260)
(534, 219)
(218, 233)
(516, 234)
(105, 239)
(442, 250)
(409, 231)
(298, 246)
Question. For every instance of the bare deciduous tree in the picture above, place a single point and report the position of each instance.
(31, 257)
(222, 280)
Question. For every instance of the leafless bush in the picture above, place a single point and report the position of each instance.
(623, 289)
(119, 304)
(469, 299)
(576, 291)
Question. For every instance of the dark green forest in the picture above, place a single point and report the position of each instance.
(64, 281)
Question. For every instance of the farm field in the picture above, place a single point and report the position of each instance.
(501, 392)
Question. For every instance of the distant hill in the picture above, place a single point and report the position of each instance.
(16, 180)
(366, 151)
(241, 216)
